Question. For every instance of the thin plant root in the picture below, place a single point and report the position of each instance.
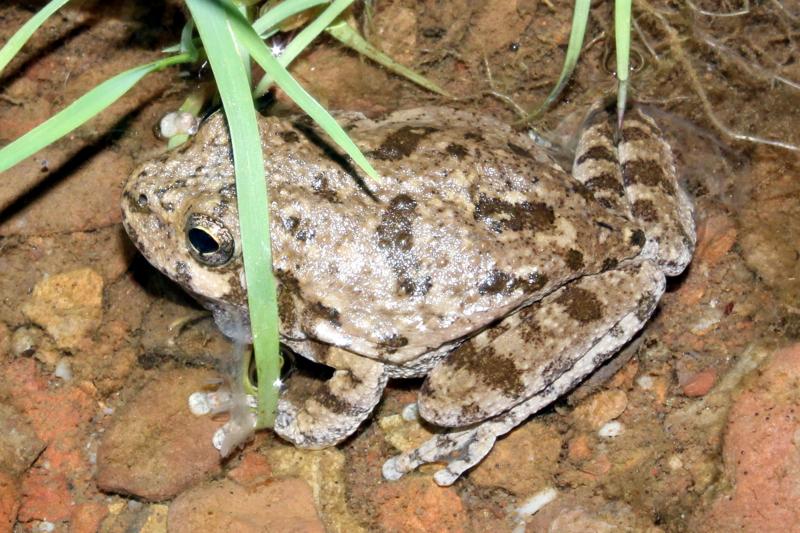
(676, 47)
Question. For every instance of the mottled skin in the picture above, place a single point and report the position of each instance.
(476, 261)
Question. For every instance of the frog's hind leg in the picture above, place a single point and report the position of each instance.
(496, 380)
(338, 407)
(636, 175)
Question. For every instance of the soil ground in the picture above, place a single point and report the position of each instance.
(98, 351)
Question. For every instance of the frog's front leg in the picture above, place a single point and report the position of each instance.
(338, 407)
(497, 379)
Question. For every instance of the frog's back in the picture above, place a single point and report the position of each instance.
(469, 221)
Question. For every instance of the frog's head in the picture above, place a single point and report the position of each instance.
(180, 212)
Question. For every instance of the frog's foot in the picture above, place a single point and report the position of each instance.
(240, 406)
(501, 376)
(338, 407)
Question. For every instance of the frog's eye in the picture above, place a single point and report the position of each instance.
(209, 241)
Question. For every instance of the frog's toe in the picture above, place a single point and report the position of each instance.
(460, 450)
(241, 408)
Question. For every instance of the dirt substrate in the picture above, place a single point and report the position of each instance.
(696, 431)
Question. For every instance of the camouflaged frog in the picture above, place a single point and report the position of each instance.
(476, 262)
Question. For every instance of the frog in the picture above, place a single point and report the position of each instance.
(476, 262)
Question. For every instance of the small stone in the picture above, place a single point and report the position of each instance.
(601, 408)
(156, 519)
(285, 505)
(87, 517)
(25, 340)
(699, 384)
(611, 429)
(9, 502)
(253, 469)
(417, 504)
(156, 448)
(45, 496)
(68, 306)
(523, 462)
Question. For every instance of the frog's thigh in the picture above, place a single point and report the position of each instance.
(463, 449)
(529, 352)
(338, 407)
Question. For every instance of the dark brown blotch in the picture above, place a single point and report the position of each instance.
(393, 342)
(459, 151)
(646, 305)
(321, 187)
(644, 210)
(401, 143)
(474, 136)
(610, 263)
(289, 136)
(574, 259)
(500, 215)
(332, 402)
(288, 288)
(649, 173)
(636, 133)
(597, 153)
(326, 313)
(638, 238)
(606, 182)
(520, 151)
(495, 370)
(396, 238)
(580, 304)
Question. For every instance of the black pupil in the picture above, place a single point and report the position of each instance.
(202, 241)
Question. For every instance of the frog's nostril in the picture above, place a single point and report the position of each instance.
(141, 201)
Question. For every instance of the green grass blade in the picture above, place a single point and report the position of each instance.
(622, 36)
(580, 18)
(303, 39)
(245, 34)
(79, 111)
(269, 20)
(213, 20)
(18, 40)
(345, 34)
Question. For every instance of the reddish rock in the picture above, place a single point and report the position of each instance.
(251, 470)
(286, 506)
(156, 448)
(9, 502)
(19, 445)
(699, 384)
(760, 453)
(45, 496)
(417, 504)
